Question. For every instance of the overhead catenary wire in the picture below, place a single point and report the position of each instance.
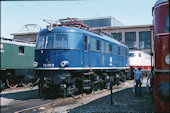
(34, 10)
(94, 13)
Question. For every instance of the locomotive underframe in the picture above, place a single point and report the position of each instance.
(16, 77)
(70, 83)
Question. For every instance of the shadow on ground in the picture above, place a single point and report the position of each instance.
(123, 101)
(23, 95)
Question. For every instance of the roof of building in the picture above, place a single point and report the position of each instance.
(124, 27)
(24, 33)
(94, 18)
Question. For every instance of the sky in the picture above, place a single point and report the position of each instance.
(16, 14)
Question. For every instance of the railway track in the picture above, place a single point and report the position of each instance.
(39, 105)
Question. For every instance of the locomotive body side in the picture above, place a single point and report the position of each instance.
(16, 61)
(139, 59)
(68, 53)
(162, 55)
(74, 52)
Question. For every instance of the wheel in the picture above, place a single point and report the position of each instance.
(11, 83)
(27, 84)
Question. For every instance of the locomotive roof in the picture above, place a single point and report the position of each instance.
(17, 43)
(159, 2)
(64, 29)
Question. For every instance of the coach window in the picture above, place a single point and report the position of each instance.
(167, 21)
(118, 50)
(41, 42)
(98, 45)
(93, 45)
(21, 49)
(110, 48)
(49, 42)
(85, 43)
(102, 46)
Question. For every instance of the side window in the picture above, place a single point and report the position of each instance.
(122, 52)
(85, 43)
(93, 45)
(107, 47)
(167, 21)
(131, 54)
(110, 48)
(102, 46)
(98, 45)
(115, 50)
(102, 60)
(118, 50)
(126, 52)
(139, 55)
(21, 49)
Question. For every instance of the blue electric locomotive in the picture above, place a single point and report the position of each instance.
(70, 60)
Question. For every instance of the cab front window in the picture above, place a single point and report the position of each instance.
(61, 41)
(49, 42)
(41, 42)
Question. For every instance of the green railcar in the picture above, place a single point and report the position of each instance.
(16, 62)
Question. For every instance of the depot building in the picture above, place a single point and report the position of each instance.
(139, 37)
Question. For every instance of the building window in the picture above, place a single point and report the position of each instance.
(117, 36)
(98, 45)
(85, 43)
(130, 39)
(144, 40)
(21, 49)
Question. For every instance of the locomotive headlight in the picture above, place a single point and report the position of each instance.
(50, 28)
(64, 63)
(167, 58)
(35, 64)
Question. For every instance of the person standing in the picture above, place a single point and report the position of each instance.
(138, 77)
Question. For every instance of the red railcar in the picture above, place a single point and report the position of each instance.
(162, 55)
